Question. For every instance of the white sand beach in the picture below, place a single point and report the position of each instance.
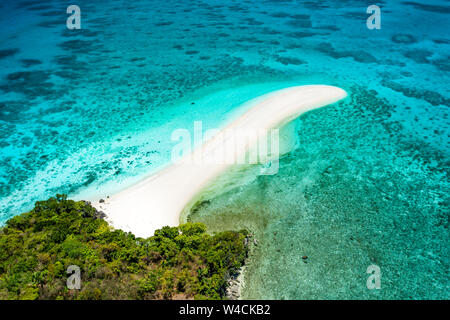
(161, 199)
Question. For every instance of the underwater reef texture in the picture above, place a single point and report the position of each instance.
(368, 184)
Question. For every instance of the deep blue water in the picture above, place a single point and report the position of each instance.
(368, 185)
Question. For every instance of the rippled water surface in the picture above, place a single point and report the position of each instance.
(368, 183)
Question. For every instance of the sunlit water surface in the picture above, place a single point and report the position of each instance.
(368, 183)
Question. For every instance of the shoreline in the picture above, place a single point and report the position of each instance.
(235, 285)
(166, 197)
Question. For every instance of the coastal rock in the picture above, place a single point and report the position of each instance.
(234, 287)
(99, 215)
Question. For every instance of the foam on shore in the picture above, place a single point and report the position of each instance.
(166, 197)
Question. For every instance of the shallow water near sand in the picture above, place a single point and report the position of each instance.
(368, 184)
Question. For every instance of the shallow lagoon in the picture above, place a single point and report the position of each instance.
(367, 185)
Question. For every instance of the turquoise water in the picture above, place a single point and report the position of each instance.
(368, 184)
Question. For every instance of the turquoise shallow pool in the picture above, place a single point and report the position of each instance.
(368, 183)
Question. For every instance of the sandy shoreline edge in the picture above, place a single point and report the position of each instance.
(164, 197)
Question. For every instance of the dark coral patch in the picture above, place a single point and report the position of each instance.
(8, 53)
(30, 62)
(11, 111)
(223, 35)
(419, 56)
(442, 64)
(313, 5)
(441, 41)
(62, 107)
(279, 14)
(136, 59)
(403, 38)
(28, 3)
(54, 13)
(163, 23)
(79, 46)
(429, 7)
(299, 23)
(357, 55)
(71, 67)
(81, 32)
(51, 23)
(432, 97)
(289, 60)
(327, 27)
(253, 22)
(269, 31)
(40, 7)
(30, 83)
(301, 34)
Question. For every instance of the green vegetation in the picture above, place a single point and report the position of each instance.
(37, 247)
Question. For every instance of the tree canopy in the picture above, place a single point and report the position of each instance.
(37, 247)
